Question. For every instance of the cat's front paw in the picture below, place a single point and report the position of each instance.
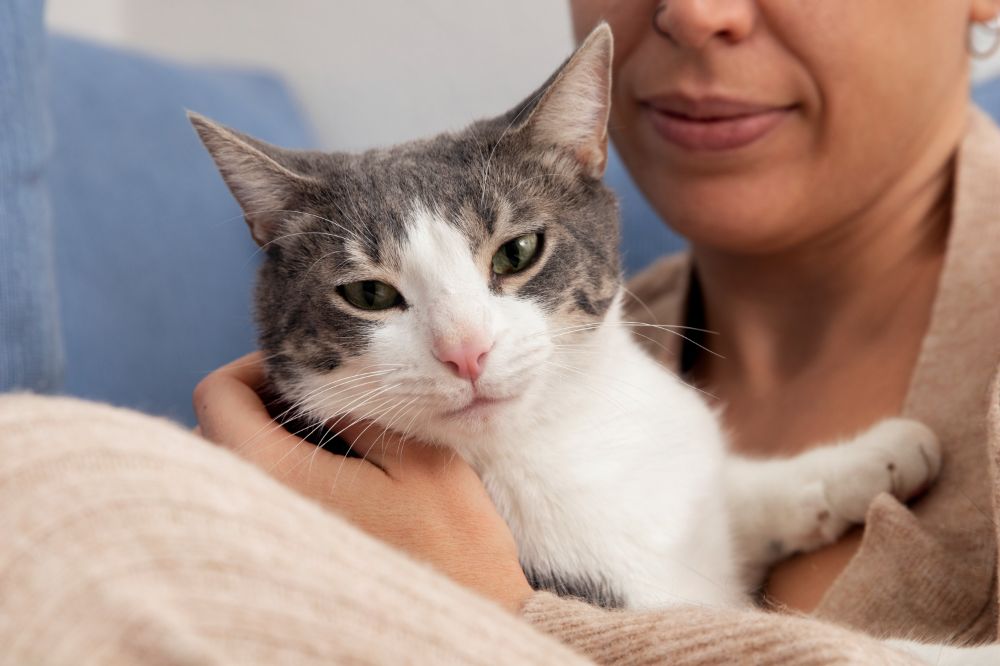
(898, 456)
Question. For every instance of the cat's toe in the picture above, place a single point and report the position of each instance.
(898, 456)
(827, 524)
(811, 522)
(912, 455)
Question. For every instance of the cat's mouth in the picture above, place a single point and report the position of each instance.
(479, 405)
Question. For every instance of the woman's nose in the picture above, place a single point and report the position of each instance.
(695, 24)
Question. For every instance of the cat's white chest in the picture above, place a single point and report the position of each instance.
(623, 490)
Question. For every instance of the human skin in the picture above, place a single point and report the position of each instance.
(818, 246)
(421, 499)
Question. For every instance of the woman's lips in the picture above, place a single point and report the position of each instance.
(712, 124)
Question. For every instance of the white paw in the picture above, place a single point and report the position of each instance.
(812, 524)
(898, 456)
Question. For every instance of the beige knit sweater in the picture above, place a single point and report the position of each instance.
(126, 540)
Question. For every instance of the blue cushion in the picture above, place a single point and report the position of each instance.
(30, 351)
(644, 235)
(987, 96)
(155, 264)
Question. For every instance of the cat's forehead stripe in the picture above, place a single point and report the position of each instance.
(436, 255)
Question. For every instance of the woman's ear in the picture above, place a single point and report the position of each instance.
(984, 10)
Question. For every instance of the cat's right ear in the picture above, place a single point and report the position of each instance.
(570, 111)
(266, 180)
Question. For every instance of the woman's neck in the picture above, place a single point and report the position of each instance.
(865, 283)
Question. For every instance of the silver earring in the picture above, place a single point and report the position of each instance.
(992, 28)
(660, 8)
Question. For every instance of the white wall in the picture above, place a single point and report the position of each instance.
(370, 72)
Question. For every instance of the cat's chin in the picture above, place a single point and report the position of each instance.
(480, 407)
(479, 416)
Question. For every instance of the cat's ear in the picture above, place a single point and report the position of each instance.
(266, 180)
(571, 111)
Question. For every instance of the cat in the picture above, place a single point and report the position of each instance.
(466, 290)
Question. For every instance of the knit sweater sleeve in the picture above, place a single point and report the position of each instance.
(699, 636)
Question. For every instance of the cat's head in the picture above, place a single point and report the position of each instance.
(432, 286)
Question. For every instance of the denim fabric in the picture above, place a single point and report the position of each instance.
(30, 352)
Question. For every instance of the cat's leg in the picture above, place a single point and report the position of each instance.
(778, 507)
(948, 655)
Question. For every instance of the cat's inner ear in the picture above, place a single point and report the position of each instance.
(266, 181)
(572, 111)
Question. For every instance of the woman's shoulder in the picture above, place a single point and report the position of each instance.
(979, 154)
(656, 294)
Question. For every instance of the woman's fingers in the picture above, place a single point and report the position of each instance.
(227, 405)
(231, 414)
(420, 498)
(393, 454)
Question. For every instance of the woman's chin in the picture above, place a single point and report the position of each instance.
(732, 224)
(752, 211)
(737, 236)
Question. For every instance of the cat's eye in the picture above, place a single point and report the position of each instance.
(370, 295)
(516, 254)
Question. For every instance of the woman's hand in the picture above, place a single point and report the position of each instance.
(422, 499)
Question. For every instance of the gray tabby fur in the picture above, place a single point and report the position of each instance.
(477, 179)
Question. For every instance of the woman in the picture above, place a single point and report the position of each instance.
(838, 196)
(827, 200)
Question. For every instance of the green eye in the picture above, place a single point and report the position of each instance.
(370, 295)
(516, 255)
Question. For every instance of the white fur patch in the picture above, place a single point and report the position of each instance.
(444, 284)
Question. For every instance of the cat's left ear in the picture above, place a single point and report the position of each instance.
(571, 112)
(267, 181)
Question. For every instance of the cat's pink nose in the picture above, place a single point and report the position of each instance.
(465, 358)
